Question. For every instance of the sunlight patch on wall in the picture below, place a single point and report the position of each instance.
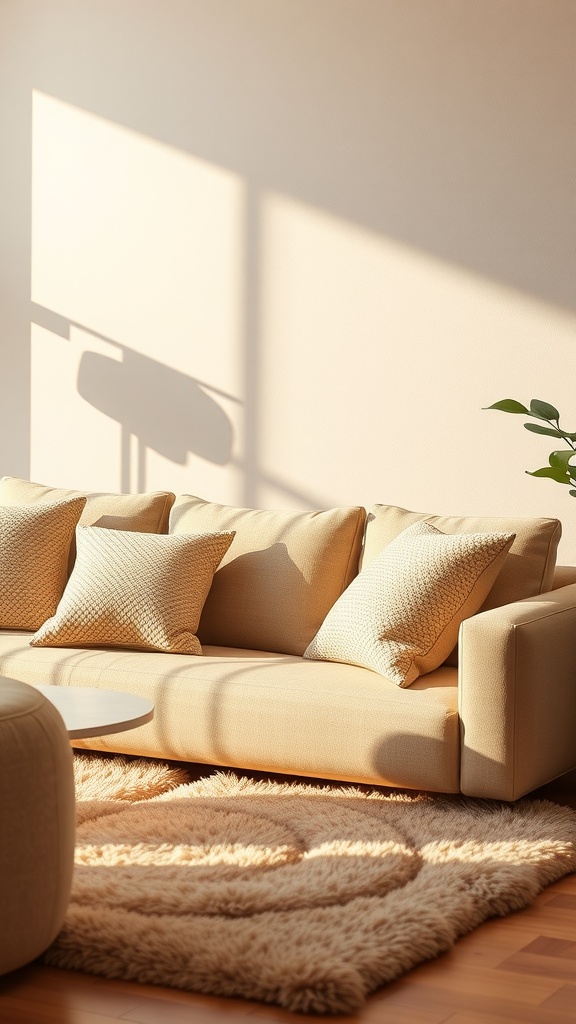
(368, 361)
(378, 358)
(136, 240)
(141, 245)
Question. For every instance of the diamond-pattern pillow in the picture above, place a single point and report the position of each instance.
(400, 616)
(34, 548)
(136, 590)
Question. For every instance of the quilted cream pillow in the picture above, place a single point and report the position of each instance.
(400, 616)
(528, 570)
(135, 590)
(34, 548)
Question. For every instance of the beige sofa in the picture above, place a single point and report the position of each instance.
(497, 725)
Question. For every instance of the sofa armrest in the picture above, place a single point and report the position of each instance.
(517, 695)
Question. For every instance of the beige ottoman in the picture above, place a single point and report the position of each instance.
(37, 823)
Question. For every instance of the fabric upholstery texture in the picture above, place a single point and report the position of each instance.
(400, 616)
(528, 568)
(505, 728)
(37, 823)
(34, 550)
(564, 575)
(269, 712)
(516, 695)
(144, 513)
(283, 573)
(135, 590)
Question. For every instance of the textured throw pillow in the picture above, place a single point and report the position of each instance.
(400, 616)
(135, 590)
(281, 576)
(528, 569)
(34, 548)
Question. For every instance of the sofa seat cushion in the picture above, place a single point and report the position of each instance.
(281, 575)
(267, 711)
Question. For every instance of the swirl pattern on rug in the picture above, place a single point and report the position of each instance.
(306, 896)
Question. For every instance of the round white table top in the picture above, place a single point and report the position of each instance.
(90, 711)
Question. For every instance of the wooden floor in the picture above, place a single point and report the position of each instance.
(519, 969)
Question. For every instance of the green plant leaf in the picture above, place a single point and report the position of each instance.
(551, 431)
(560, 460)
(552, 472)
(508, 405)
(543, 410)
(573, 493)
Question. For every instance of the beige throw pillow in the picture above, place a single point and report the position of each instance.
(400, 616)
(281, 576)
(34, 549)
(528, 569)
(135, 590)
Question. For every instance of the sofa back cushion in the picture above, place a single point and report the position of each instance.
(280, 576)
(528, 568)
(140, 513)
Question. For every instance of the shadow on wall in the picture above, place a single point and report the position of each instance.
(165, 409)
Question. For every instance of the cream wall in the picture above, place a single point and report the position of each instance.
(284, 252)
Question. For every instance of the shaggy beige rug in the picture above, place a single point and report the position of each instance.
(309, 897)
